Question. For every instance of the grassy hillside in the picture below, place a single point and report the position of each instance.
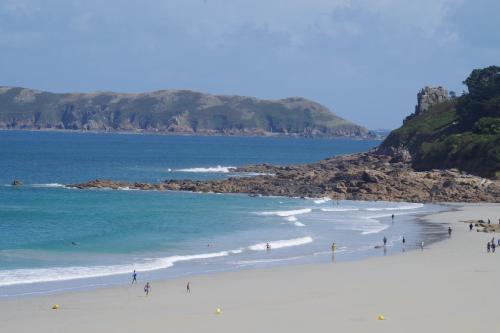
(170, 111)
(462, 133)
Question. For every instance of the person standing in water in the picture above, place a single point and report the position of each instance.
(334, 247)
(268, 246)
(134, 277)
(385, 241)
(147, 288)
(449, 231)
(471, 226)
(404, 240)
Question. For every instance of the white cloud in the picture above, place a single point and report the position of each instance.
(298, 18)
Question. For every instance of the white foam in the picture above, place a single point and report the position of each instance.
(282, 243)
(217, 169)
(322, 200)
(49, 185)
(291, 218)
(285, 213)
(299, 224)
(26, 276)
(339, 209)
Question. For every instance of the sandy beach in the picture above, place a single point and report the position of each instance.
(449, 286)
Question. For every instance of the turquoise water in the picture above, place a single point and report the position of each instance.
(54, 238)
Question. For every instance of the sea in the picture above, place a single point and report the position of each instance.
(55, 239)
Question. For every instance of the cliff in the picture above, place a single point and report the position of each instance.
(170, 111)
(462, 133)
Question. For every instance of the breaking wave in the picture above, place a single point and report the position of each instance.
(217, 169)
(282, 243)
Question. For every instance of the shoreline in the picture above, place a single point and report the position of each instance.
(410, 225)
(430, 290)
(181, 134)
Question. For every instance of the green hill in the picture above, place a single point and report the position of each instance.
(170, 111)
(462, 132)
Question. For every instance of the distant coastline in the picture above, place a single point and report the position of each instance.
(171, 111)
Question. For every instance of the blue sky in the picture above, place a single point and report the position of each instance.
(364, 59)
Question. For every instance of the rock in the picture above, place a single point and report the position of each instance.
(430, 96)
(364, 176)
(370, 177)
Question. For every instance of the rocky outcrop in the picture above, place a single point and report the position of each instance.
(171, 112)
(429, 96)
(365, 176)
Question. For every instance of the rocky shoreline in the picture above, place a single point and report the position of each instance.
(363, 176)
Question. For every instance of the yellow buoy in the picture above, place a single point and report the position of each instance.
(381, 317)
(55, 306)
(218, 311)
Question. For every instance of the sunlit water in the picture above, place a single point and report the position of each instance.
(55, 239)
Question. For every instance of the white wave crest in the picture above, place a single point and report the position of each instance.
(322, 200)
(217, 169)
(48, 185)
(299, 224)
(282, 243)
(26, 276)
(286, 213)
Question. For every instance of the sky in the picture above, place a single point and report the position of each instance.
(363, 59)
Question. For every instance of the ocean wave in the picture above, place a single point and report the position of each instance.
(321, 200)
(299, 224)
(217, 169)
(48, 185)
(282, 243)
(339, 209)
(286, 213)
(36, 275)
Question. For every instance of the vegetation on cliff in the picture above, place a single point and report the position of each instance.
(461, 133)
(170, 111)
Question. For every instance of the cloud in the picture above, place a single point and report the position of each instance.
(298, 19)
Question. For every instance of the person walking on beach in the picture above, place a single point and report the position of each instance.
(334, 247)
(134, 277)
(188, 287)
(404, 240)
(449, 231)
(147, 288)
(422, 245)
(385, 241)
(471, 226)
(493, 246)
(488, 247)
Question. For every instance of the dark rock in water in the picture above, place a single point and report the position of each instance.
(16, 182)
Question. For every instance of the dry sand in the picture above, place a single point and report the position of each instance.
(449, 286)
